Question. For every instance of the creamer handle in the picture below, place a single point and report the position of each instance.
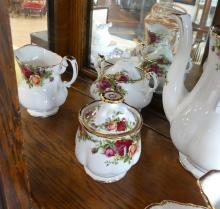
(74, 66)
(155, 79)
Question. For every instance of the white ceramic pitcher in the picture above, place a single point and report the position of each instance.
(41, 90)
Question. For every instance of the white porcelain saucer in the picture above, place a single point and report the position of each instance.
(168, 204)
(195, 171)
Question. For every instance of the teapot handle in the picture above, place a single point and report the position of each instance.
(99, 63)
(155, 79)
(74, 66)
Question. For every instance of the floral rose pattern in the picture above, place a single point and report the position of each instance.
(116, 151)
(112, 82)
(158, 66)
(115, 122)
(35, 76)
(153, 38)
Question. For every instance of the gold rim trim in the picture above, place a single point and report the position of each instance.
(187, 169)
(200, 182)
(175, 202)
(175, 8)
(136, 130)
(117, 100)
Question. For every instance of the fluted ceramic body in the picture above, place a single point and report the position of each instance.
(41, 90)
(195, 123)
(196, 129)
(108, 141)
(125, 78)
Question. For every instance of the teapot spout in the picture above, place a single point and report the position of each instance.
(174, 91)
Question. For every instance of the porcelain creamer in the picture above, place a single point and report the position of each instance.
(41, 90)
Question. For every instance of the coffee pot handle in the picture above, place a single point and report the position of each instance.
(155, 79)
(74, 65)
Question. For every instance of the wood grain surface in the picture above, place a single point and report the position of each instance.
(14, 187)
(69, 28)
(58, 181)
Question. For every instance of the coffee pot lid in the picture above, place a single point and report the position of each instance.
(110, 117)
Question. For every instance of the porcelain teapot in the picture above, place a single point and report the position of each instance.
(126, 78)
(41, 89)
(194, 116)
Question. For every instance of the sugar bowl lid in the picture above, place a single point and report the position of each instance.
(110, 117)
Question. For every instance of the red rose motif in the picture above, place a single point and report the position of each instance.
(163, 61)
(109, 152)
(26, 71)
(121, 78)
(122, 146)
(153, 37)
(154, 68)
(89, 114)
(104, 84)
(121, 125)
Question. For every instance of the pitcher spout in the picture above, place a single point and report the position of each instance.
(174, 91)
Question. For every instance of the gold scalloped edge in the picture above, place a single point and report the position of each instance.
(187, 169)
(175, 202)
(136, 130)
(199, 183)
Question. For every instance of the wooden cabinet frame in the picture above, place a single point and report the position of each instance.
(14, 184)
(69, 32)
(69, 28)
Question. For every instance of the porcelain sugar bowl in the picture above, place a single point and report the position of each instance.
(125, 77)
(108, 141)
(41, 89)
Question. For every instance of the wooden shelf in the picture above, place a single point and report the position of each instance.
(58, 181)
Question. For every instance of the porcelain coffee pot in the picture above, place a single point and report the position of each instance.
(195, 116)
(41, 90)
(126, 78)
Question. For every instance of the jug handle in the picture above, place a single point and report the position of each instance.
(74, 66)
(155, 79)
(99, 65)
